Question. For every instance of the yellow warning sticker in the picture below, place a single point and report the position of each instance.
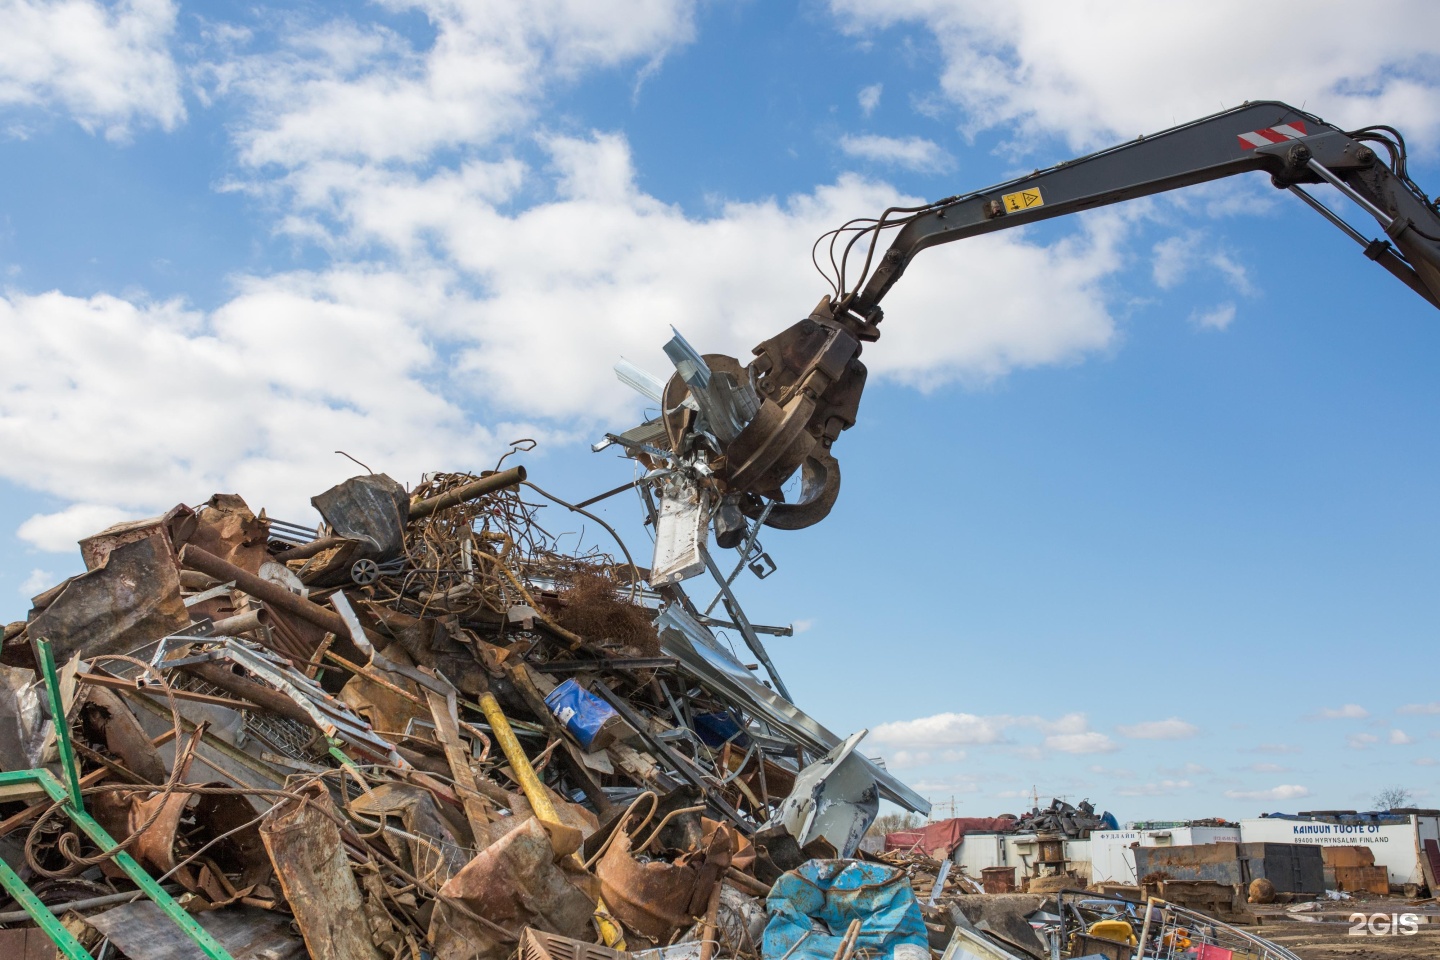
(1023, 200)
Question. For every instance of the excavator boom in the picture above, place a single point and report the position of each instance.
(746, 431)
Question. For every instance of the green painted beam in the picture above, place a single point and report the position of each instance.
(208, 945)
(46, 659)
(64, 940)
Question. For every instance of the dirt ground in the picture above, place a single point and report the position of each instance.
(1324, 941)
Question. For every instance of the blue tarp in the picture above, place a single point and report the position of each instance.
(835, 892)
(581, 711)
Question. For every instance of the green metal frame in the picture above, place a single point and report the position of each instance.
(73, 806)
(63, 939)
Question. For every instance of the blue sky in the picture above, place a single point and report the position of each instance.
(1141, 504)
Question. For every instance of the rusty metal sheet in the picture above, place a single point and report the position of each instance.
(314, 873)
(371, 509)
(143, 932)
(656, 899)
(29, 943)
(520, 880)
(226, 527)
(108, 716)
(132, 600)
(173, 527)
(435, 855)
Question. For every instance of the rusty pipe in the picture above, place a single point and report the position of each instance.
(469, 491)
(245, 622)
(264, 697)
(197, 558)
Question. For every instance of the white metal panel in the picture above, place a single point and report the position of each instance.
(978, 851)
(1395, 847)
(1112, 859)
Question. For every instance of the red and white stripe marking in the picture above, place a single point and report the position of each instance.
(1285, 131)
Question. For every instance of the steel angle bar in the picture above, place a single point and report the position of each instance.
(328, 715)
(757, 627)
(703, 658)
(752, 640)
(750, 540)
(45, 657)
(64, 940)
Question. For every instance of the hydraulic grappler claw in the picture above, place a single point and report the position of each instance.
(747, 430)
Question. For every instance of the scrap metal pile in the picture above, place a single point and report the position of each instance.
(419, 730)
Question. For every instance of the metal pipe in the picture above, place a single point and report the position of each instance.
(469, 491)
(197, 558)
(1144, 929)
(241, 623)
(19, 916)
(529, 781)
(266, 698)
(1349, 191)
(1330, 215)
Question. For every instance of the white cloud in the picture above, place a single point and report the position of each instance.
(869, 98)
(1171, 729)
(1288, 791)
(1038, 67)
(95, 407)
(1216, 318)
(344, 90)
(1350, 711)
(1232, 270)
(1081, 743)
(1425, 762)
(1165, 788)
(1399, 737)
(604, 269)
(943, 729)
(107, 65)
(802, 625)
(38, 580)
(1066, 734)
(59, 532)
(905, 759)
(1175, 258)
(1361, 741)
(1172, 259)
(1072, 734)
(908, 153)
(1420, 709)
(1268, 768)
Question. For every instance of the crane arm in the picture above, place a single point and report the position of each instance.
(1292, 146)
(803, 387)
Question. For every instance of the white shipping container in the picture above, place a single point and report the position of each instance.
(1113, 861)
(1397, 847)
